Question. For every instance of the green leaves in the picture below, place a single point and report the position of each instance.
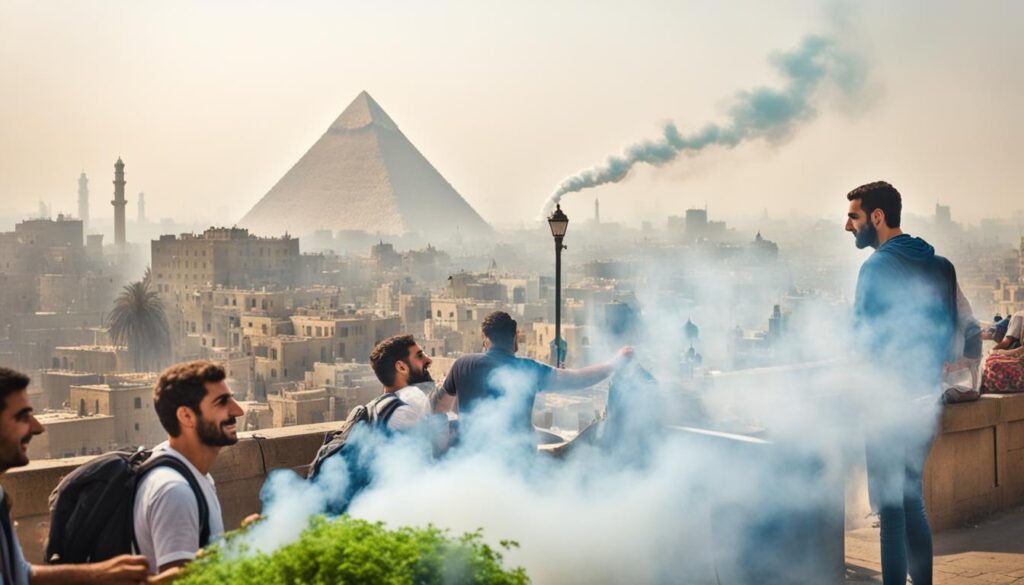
(350, 551)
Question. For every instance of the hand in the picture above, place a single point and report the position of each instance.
(623, 356)
(167, 576)
(121, 569)
(249, 520)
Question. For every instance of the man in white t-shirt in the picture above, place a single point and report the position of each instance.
(198, 410)
(402, 367)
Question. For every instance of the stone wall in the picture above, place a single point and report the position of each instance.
(239, 472)
(976, 465)
(976, 468)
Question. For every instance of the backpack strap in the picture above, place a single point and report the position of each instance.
(183, 470)
(383, 407)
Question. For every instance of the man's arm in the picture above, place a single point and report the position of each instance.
(580, 378)
(440, 400)
(121, 570)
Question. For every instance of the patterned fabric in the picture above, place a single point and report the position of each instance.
(1003, 373)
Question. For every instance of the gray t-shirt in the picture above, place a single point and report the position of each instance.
(167, 513)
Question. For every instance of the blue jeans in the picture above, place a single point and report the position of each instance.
(895, 464)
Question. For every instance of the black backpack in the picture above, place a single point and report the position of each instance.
(377, 412)
(92, 509)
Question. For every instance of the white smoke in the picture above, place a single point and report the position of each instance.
(675, 507)
(764, 112)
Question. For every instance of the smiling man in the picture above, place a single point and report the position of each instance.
(200, 414)
(18, 425)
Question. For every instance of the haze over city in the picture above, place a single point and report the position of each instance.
(210, 104)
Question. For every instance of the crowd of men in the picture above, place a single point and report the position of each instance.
(198, 410)
(904, 286)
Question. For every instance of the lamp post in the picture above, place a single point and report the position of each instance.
(558, 222)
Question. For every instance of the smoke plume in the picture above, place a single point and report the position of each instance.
(764, 112)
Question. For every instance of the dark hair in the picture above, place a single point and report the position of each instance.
(500, 328)
(387, 353)
(183, 385)
(879, 195)
(10, 382)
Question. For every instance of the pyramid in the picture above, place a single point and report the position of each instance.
(363, 174)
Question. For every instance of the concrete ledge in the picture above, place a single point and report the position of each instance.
(239, 473)
(976, 465)
(976, 468)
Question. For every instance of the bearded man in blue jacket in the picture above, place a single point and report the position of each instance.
(905, 318)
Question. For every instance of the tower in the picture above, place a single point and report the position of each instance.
(142, 208)
(597, 210)
(119, 203)
(83, 199)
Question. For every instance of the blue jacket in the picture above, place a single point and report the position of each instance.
(905, 307)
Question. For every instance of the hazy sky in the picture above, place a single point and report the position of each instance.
(209, 103)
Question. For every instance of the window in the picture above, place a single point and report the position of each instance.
(469, 315)
(286, 372)
(273, 373)
(136, 427)
(97, 406)
(273, 353)
(439, 313)
(138, 404)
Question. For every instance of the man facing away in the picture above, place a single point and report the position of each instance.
(199, 412)
(905, 312)
(476, 378)
(17, 427)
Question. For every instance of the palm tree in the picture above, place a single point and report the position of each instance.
(138, 321)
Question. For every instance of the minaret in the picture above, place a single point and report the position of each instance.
(597, 210)
(142, 208)
(119, 203)
(83, 199)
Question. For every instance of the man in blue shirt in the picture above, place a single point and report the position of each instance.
(905, 316)
(498, 373)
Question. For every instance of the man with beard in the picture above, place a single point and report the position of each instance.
(17, 427)
(198, 410)
(905, 316)
(400, 365)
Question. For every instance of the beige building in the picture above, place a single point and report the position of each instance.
(69, 434)
(352, 336)
(98, 359)
(229, 257)
(128, 399)
(1008, 296)
(299, 407)
(539, 336)
(56, 386)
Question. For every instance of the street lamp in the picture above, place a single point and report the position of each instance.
(558, 222)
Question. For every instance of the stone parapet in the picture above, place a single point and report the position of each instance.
(976, 465)
(976, 468)
(239, 473)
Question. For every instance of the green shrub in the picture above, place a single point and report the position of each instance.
(350, 551)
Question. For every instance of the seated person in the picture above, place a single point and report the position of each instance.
(1007, 333)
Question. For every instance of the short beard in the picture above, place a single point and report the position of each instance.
(213, 435)
(866, 237)
(419, 377)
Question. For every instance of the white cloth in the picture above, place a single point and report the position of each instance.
(167, 513)
(416, 407)
(1016, 327)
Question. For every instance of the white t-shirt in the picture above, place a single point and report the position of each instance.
(415, 409)
(167, 513)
